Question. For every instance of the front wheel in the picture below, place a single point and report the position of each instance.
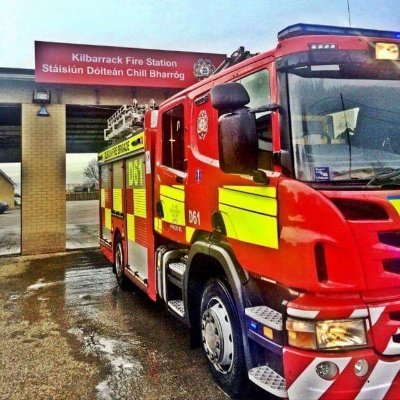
(119, 264)
(222, 339)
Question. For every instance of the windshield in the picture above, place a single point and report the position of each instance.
(345, 127)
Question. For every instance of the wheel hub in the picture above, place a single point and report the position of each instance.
(217, 335)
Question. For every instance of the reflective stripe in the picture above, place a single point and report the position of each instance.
(380, 380)
(392, 348)
(103, 198)
(249, 226)
(173, 202)
(248, 201)
(375, 313)
(296, 312)
(107, 213)
(139, 202)
(117, 200)
(174, 192)
(359, 313)
(132, 144)
(158, 224)
(267, 191)
(131, 227)
(309, 385)
(189, 233)
(395, 202)
(249, 214)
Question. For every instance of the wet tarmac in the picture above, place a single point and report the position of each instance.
(10, 231)
(82, 227)
(68, 332)
(82, 224)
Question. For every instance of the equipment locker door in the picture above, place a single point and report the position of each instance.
(171, 174)
(136, 214)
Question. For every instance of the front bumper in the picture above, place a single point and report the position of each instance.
(382, 380)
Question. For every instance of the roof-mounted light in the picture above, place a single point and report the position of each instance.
(308, 29)
(386, 51)
(322, 46)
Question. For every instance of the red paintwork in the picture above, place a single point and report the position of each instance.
(149, 144)
(354, 255)
(107, 251)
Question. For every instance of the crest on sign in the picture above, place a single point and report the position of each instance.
(203, 69)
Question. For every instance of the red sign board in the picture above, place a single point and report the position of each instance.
(100, 65)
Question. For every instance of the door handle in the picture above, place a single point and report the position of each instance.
(159, 209)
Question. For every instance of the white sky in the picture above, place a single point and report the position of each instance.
(189, 25)
(75, 165)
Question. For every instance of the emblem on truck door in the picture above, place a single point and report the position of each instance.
(202, 124)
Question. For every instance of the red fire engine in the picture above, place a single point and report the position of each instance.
(262, 205)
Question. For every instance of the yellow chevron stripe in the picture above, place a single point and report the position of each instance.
(108, 218)
(131, 227)
(396, 204)
(267, 191)
(103, 198)
(158, 224)
(189, 233)
(249, 214)
(117, 200)
(174, 192)
(139, 202)
(247, 201)
(250, 227)
(129, 145)
(174, 211)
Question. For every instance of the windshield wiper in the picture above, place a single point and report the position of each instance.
(384, 177)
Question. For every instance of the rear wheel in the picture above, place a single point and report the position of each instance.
(222, 339)
(119, 264)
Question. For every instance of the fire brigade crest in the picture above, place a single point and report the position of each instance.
(203, 69)
(202, 124)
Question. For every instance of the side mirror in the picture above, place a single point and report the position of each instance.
(237, 138)
(228, 97)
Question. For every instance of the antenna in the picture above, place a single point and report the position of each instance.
(348, 11)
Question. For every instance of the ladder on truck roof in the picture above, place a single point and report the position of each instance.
(127, 120)
(236, 57)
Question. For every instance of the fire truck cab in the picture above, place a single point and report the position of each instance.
(262, 204)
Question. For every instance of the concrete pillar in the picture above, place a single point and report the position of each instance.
(43, 180)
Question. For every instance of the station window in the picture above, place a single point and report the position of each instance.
(105, 202)
(173, 138)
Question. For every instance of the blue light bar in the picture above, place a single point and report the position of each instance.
(307, 29)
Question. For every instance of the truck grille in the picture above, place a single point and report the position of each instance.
(385, 327)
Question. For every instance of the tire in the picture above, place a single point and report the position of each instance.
(222, 339)
(119, 266)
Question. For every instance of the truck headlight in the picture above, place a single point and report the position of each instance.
(326, 335)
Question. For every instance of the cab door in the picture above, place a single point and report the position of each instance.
(171, 171)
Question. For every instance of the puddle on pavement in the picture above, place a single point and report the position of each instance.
(106, 344)
(125, 370)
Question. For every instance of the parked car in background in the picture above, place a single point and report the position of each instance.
(3, 206)
(17, 199)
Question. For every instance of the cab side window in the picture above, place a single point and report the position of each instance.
(258, 88)
(173, 138)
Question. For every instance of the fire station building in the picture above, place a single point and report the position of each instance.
(62, 107)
